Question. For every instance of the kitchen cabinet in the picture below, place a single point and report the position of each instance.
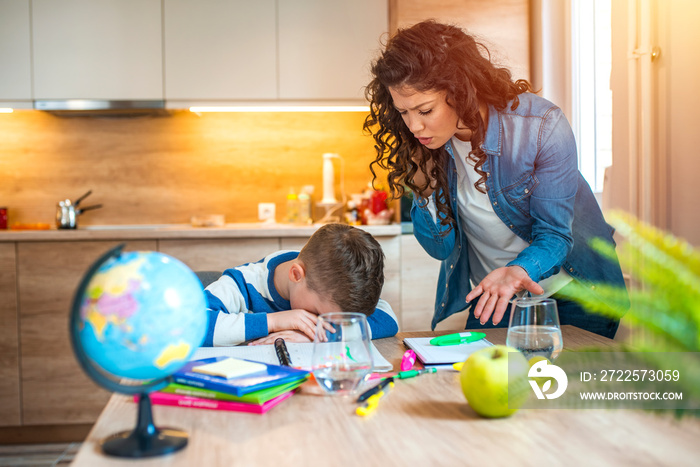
(325, 48)
(220, 49)
(15, 53)
(106, 49)
(41, 383)
(189, 52)
(502, 25)
(53, 386)
(9, 342)
(218, 254)
(419, 278)
(271, 50)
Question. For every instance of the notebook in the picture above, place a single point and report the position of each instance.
(162, 398)
(256, 397)
(272, 375)
(443, 355)
(300, 354)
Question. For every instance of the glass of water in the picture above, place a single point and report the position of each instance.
(534, 328)
(341, 360)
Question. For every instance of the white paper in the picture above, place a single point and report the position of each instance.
(300, 354)
(230, 368)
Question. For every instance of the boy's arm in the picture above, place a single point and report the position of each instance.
(230, 323)
(383, 322)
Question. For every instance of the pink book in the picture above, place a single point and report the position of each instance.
(163, 398)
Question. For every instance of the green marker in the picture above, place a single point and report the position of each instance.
(456, 339)
(412, 373)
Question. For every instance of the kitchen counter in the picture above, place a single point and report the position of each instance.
(182, 231)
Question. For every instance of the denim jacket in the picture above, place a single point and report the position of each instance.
(535, 188)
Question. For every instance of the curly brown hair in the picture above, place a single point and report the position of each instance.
(345, 264)
(431, 56)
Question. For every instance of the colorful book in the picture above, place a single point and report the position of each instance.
(256, 397)
(271, 376)
(161, 398)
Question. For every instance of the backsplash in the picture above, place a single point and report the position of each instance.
(165, 169)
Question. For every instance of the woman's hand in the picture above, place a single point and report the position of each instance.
(288, 336)
(496, 290)
(292, 320)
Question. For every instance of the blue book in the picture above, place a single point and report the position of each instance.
(272, 375)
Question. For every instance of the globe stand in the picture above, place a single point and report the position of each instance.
(145, 440)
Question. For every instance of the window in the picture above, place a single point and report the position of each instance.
(591, 94)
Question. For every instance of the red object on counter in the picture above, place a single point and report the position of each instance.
(3, 218)
(378, 201)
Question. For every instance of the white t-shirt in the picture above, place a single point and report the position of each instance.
(492, 244)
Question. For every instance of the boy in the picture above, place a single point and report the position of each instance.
(341, 268)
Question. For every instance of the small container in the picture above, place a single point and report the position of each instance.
(304, 208)
(292, 207)
(3, 218)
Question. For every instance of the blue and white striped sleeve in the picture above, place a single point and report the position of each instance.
(230, 323)
(383, 322)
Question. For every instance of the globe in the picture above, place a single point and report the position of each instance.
(137, 317)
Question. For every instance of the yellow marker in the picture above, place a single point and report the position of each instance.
(373, 401)
(458, 366)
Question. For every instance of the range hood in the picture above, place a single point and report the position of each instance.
(97, 105)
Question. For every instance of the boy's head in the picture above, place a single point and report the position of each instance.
(345, 265)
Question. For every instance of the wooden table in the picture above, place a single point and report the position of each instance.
(424, 421)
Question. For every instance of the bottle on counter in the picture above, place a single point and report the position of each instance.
(292, 207)
(3, 218)
(304, 198)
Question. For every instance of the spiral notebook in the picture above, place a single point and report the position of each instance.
(300, 354)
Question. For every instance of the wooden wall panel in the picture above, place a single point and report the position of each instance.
(164, 170)
(502, 25)
(9, 343)
(54, 388)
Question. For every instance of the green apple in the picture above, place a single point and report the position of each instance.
(484, 379)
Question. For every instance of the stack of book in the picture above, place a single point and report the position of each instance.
(225, 383)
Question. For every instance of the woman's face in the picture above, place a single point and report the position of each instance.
(428, 116)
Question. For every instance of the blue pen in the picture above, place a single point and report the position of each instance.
(456, 339)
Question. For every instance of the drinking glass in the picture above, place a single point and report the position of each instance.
(341, 360)
(534, 328)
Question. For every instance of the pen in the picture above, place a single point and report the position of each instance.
(282, 352)
(412, 373)
(455, 339)
(372, 403)
(375, 389)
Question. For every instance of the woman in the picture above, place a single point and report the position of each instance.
(498, 195)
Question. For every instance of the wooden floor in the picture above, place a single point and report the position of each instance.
(38, 455)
